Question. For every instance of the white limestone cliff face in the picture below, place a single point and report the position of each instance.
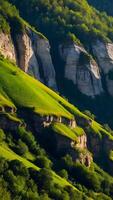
(26, 58)
(82, 70)
(104, 54)
(33, 56)
(6, 46)
(42, 50)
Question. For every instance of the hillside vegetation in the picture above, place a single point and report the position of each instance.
(69, 19)
(19, 148)
(28, 92)
(49, 149)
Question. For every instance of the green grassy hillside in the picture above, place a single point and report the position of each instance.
(64, 130)
(10, 155)
(5, 101)
(19, 90)
(30, 168)
(24, 91)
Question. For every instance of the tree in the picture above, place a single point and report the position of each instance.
(43, 162)
(67, 161)
(63, 173)
(21, 148)
(3, 165)
(18, 168)
(45, 179)
(4, 192)
(44, 197)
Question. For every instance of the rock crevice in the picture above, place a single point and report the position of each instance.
(81, 69)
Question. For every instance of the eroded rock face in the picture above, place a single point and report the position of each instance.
(6, 46)
(104, 54)
(42, 50)
(82, 142)
(81, 69)
(85, 158)
(26, 58)
(33, 56)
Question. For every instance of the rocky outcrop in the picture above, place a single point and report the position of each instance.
(103, 52)
(26, 58)
(99, 145)
(6, 46)
(80, 152)
(42, 50)
(31, 52)
(33, 56)
(82, 142)
(77, 149)
(83, 157)
(81, 69)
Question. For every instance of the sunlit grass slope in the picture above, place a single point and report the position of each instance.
(64, 130)
(24, 91)
(10, 155)
(4, 101)
(68, 132)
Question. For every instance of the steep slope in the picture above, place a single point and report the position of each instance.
(49, 149)
(75, 62)
(81, 50)
(65, 130)
(33, 94)
(25, 46)
(10, 155)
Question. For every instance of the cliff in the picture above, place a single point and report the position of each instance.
(103, 51)
(81, 69)
(6, 46)
(31, 52)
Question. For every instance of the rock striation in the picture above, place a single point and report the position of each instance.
(103, 52)
(81, 69)
(31, 52)
(6, 46)
(33, 56)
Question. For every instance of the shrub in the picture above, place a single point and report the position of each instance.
(86, 177)
(21, 147)
(43, 162)
(45, 179)
(63, 173)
